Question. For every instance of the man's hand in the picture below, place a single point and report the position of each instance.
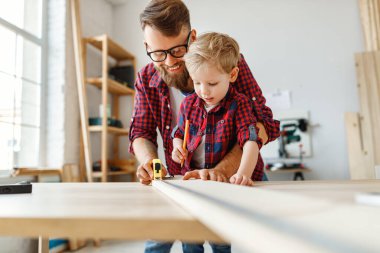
(241, 180)
(206, 174)
(145, 172)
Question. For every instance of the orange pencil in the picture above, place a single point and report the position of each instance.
(187, 123)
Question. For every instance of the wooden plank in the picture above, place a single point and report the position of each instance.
(115, 50)
(82, 95)
(257, 217)
(376, 22)
(111, 130)
(114, 87)
(37, 172)
(356, 155)
(372, 31)
(104, 133)
(375, 107)
(366, 74)
(115, 114)
(364, 15)
(130, 211)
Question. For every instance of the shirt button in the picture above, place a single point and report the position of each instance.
(167, 127)
(254, 98)
(169, 106)
(204, 116)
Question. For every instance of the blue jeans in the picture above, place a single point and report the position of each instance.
(164, 247)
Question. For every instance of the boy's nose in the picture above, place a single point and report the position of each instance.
(205, 92)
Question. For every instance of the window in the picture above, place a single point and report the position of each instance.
(21, 60)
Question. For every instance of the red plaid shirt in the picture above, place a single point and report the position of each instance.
(229, 122)
(152, 109)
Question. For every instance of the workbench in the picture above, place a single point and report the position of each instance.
(301, 216)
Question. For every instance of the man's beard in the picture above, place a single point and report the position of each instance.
(178, 80)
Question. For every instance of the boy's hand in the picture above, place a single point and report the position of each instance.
(241, 180)
(178, 153)
(206, 174)
(145, 172)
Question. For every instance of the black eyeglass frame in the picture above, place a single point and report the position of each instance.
(169, 51)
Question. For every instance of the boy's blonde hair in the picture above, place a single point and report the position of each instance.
(215, 48)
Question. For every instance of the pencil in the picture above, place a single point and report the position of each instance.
(185, 138)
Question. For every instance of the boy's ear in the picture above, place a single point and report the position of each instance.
(193, 35)
(234, 74)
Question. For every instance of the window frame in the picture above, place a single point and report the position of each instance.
(42, 42)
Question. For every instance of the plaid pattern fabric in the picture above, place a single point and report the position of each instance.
(152, 109)
(229, 122)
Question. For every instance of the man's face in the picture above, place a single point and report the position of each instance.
(173, 70)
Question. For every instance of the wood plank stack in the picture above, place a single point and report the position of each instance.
(370, 17)
(363, 128)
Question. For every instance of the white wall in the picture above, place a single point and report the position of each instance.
(304, 46)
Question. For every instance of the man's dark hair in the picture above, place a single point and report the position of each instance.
(166, 16)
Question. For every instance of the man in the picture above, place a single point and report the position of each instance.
(167, 33)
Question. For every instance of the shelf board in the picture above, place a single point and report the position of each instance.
(112, 130)
(114, 50)
(114, 87)
(98, 174)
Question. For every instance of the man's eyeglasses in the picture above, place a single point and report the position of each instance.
(177, 52)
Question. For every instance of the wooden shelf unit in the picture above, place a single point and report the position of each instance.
(109, 48)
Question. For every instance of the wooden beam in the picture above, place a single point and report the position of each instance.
(79, 68)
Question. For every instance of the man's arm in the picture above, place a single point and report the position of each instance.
(247, 85)
(231, 162)
(142, 134)
(262, 133)
(145, 152)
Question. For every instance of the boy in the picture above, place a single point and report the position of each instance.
(219, 116)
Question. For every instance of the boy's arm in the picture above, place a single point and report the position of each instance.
(247, 164)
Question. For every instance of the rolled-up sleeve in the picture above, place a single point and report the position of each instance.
(246, 125)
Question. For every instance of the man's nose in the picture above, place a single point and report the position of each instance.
(170, 60)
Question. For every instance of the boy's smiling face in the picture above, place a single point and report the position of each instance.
(211, 84)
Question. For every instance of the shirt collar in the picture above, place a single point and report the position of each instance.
(223, 103)
(156, 81)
